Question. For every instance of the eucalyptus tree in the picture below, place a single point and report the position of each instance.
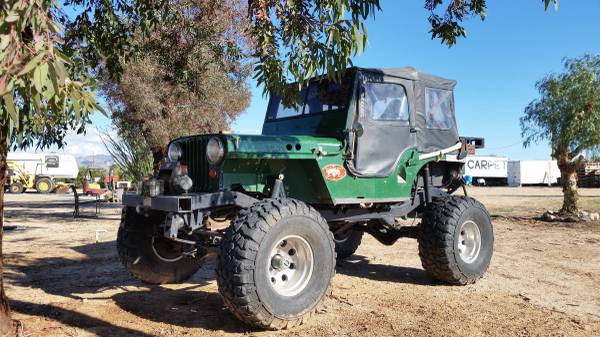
(567, 116)
(46, 87)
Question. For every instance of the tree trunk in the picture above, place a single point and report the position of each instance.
(568, 180)
(5, 321)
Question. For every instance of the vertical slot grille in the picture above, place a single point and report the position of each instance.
(194, 156)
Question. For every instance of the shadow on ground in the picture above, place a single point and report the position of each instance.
(28, 211)
(359, 266)
(95, 272)
(101, 272)
(72, 318)
(190, 308)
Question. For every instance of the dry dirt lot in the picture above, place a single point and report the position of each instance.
(544, 280)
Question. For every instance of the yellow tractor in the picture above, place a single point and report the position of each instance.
(19, 180)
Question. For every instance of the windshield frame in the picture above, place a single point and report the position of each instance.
(349, 77)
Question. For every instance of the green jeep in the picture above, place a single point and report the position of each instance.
(357, 155)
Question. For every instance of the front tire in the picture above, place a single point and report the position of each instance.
(276, 263)
(456, 240)
(16, 187)
(152, 258)
(347, 243)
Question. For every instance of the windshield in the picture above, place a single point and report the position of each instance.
(320, 96)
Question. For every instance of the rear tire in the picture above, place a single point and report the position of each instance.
(44, 185)
(16, 187)
(152, 258)
(456, 240)
(347, 243)
(276, 263)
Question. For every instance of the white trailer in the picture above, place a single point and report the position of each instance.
(533, 172)
(486, 170)
(52, 165)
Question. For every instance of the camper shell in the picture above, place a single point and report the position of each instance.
(57, 166)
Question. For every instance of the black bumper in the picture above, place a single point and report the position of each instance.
(189, 202)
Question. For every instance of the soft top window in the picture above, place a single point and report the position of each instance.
(438, 108)
(319, 96)
(386, 102)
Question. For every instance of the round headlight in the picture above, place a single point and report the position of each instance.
(214, 150)
(174, 152)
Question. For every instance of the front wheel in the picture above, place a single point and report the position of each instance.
(276, 263)
(456, 240)
(16, 187)
(153, 258)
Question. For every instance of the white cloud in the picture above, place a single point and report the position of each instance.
(80, 145)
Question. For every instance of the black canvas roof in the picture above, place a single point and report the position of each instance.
(413, 74)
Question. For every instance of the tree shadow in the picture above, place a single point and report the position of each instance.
(190, 308)
(65, 214)
(101, 272)
(94, 325)
(359, 266)
(63, 210)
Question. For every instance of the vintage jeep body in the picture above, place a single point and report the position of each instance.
(358, 155)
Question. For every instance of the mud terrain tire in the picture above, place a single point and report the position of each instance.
(347, 243)
(153, 259)
(447, 249)
(246, 263)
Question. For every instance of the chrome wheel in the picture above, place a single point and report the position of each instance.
(290, 266)
(469, 241)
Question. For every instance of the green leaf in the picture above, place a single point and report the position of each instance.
(54, 78)
(37, 79)
(44, 72)
(4, 40)
(547, 4)
(9, 104)
(49, 92)
(76, 108)
(31, 64)
(97, 106)
(60, 71)
(37, 103)
(12, 18)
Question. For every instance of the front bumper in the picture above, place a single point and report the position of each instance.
(187, 203)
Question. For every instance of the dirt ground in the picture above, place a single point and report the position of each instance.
(64, 279)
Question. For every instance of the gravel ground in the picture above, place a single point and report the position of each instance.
(63, 278)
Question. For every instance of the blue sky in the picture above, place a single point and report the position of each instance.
(496, 66)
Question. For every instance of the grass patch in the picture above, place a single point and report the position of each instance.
(592, 204)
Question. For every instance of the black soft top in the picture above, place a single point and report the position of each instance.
(411, 73)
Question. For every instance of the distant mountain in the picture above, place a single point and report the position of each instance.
(99, 161)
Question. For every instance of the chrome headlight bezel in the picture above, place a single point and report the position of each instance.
(174, 151)
(215, 150)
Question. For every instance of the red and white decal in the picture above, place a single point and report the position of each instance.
(334, 172)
